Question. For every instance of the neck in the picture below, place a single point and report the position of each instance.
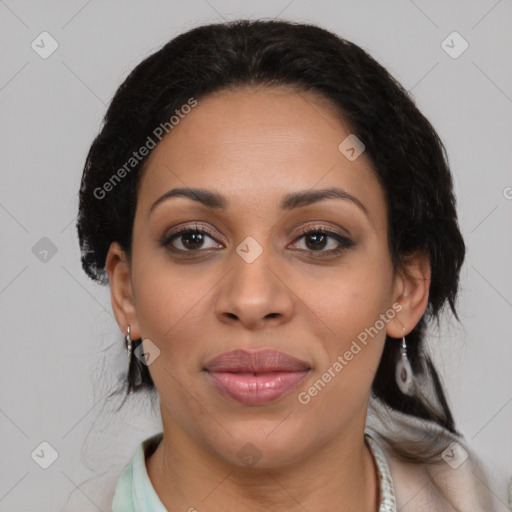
(340, 476)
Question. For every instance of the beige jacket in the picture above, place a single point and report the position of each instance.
(439, 487)
(455, 480)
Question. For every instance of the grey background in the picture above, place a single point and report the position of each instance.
(61, 349)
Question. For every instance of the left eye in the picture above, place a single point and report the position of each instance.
(317, 239)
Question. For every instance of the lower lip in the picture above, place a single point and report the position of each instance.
(262, 388)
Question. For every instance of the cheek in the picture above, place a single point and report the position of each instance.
(168, 303)
(169, 314)
(354, 310)
(352, 298)
(170, 310)
(350, 355)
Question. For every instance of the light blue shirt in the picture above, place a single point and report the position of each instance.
(135, 493)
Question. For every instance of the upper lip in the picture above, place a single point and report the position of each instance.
(245, 361)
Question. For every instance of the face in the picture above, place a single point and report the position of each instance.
(312, 279)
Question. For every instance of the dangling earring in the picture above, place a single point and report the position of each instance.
(129, 344)
(403, 373)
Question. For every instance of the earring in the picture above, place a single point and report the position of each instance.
(403, 372)
(128, 341)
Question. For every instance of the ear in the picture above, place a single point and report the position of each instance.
(411, 289)
(118, 268)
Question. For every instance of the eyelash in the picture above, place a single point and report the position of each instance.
(344, 242)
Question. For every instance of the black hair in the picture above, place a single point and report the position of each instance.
(404, 149)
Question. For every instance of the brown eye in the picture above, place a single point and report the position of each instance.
(188, 239)
(318, 239)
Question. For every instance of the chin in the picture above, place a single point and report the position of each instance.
(263, 444)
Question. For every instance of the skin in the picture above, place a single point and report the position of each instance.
(255, 145)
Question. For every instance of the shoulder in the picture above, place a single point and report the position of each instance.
(111, 489)
(439, 486)
(453, 480)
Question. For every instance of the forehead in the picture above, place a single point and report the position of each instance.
(256, 144)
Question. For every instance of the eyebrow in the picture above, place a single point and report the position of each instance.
(289, 202)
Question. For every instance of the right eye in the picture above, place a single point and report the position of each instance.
(190, 238)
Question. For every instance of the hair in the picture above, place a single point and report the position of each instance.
(406, 154)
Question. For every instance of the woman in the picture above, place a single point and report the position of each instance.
(277, 225)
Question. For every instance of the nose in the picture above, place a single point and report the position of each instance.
(255, 294)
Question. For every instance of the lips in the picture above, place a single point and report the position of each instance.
(256, 377)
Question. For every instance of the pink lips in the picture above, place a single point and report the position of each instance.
(256, 377)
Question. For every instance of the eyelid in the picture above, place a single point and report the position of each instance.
(319, 226)
(343, 242)
(184, 227)
(168, 237)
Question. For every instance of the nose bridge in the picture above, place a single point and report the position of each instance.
(253, 291)
(251, 275)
